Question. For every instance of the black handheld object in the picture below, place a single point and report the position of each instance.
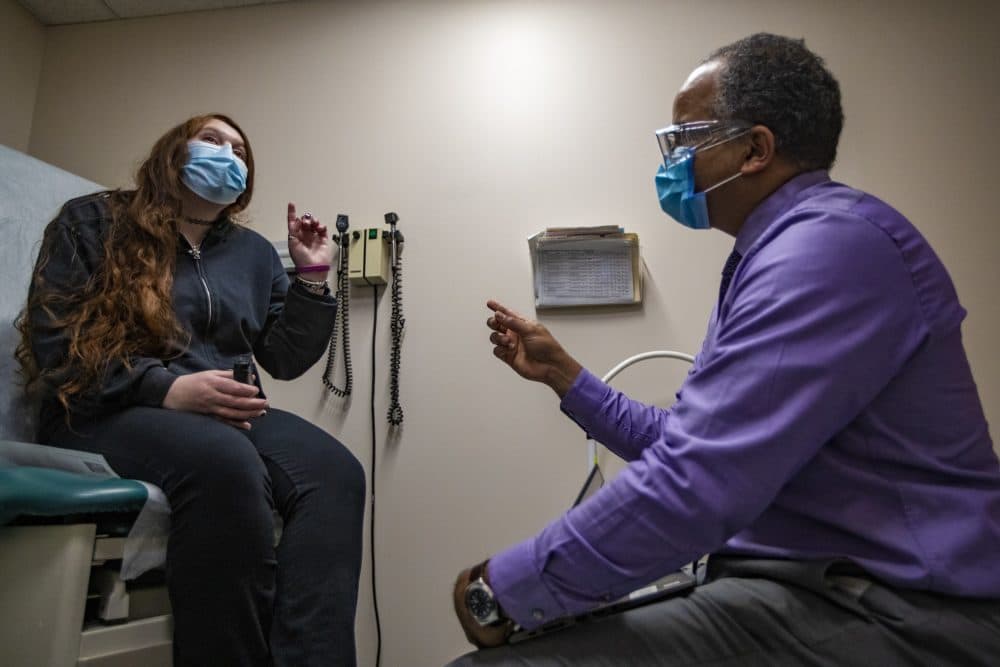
(241, 369)
(342, 225)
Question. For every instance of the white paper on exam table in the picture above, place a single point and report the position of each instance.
(146, 543)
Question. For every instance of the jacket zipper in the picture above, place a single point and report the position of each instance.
(195, 253)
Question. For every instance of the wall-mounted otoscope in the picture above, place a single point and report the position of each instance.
(395, 413)
(343, 295)
(395, 237)
(342, 226)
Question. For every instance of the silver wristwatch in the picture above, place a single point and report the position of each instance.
(480, 600)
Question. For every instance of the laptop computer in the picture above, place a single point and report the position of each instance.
(671, 585)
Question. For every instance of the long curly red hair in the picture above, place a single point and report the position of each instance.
(126, 308)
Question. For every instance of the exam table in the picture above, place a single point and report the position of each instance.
(67, 527)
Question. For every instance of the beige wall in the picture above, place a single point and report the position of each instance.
(22, 43)
(483, 122)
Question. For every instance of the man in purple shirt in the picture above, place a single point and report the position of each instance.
(828, 446)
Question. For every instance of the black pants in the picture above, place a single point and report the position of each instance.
(757, 612)
(236, 598)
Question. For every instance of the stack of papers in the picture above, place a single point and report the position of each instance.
(585, 266)
(603, 231)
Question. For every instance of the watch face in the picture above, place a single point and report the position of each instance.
(480, 603)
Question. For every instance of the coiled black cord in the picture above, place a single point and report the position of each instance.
(343, 305)
(395, 413)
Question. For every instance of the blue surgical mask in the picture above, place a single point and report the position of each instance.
(213, 173)
(675, 187)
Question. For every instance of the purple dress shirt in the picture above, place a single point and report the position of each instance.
(830, 413)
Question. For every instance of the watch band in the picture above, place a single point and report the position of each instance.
(478, 571)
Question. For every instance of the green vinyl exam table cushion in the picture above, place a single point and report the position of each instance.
(28, 491)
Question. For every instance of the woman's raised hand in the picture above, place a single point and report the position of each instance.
(308, 241)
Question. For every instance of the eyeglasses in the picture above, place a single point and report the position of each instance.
(697, 136)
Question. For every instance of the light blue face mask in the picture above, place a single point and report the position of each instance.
(213, 173)
(675, 187)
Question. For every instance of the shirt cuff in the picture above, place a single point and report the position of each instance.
(519, 589)
(584, 399)
(153, 387)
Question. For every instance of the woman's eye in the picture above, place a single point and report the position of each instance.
(209, 139)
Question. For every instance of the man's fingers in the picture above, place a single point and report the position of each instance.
(514, 322)
(498, 307)
(501, 340)
(291, 213)
(505, 318)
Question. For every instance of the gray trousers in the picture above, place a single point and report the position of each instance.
(771, 612)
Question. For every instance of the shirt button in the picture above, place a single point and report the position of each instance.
(537, 614)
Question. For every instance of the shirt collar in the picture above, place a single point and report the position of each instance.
(777, 203)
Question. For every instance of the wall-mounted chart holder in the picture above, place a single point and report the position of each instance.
(585, 266)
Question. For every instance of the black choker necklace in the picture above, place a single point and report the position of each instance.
(196, 221)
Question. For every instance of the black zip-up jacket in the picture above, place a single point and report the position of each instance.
(232, 295)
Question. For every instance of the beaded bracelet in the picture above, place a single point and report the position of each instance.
(312, 286)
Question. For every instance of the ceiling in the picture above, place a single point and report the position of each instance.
(61, 12)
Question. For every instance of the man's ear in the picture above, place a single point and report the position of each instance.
(759, 150)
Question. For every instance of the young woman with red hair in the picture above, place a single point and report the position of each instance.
(140, 303)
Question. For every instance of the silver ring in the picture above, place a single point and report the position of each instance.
(307, 216)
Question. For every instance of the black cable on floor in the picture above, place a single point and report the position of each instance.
(371, 536)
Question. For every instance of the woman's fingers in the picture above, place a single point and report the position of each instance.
(235, 400)
(241, 403)
(235, 414)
